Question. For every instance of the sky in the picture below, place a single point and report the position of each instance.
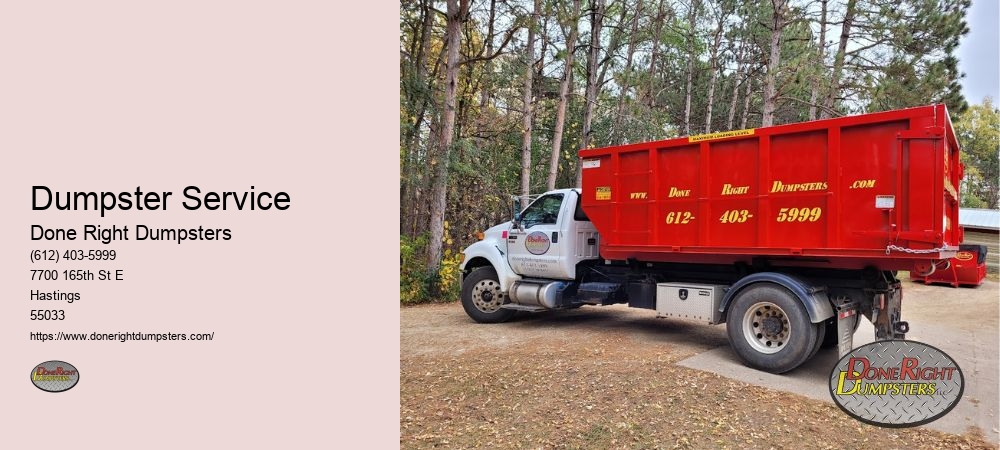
(979, 52)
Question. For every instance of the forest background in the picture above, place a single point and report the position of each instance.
(497, 96)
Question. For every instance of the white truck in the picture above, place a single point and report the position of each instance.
(788, 253)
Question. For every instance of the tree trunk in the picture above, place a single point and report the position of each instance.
(838, 61)
(732, 101)
(773, 61)
(543, 47)
(526, 126)
(715, 72)
(457, 11)
(746, 102)
(596, 21)
(612, 48)
(814, 95)
(408, 191)
(736, 87)
(651, 83)
(692, 25)
(626, 75)
(486, 86)
(557, 136)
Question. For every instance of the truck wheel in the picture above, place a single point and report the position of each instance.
(482, 297)
(769, 329)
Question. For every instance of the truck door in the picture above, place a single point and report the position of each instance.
(536, 246)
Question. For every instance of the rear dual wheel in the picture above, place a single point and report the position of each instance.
(770, 330)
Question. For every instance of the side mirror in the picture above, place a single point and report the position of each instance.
(516, 211)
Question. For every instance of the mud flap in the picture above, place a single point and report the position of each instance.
(847, 317)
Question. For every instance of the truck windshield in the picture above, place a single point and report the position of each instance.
(542, 211)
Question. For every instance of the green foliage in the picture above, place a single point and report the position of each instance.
(416, 283)
(900, 53)
(969, 199)
(978, 133)
(919, 67)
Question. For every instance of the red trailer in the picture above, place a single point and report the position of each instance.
(787, 234)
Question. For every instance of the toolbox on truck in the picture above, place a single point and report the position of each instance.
(690, 301)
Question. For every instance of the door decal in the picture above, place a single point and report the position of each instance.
(537, 243)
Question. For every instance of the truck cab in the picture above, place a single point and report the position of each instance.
(551, 236)
(528, 262)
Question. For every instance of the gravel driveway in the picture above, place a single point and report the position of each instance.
(609, 377)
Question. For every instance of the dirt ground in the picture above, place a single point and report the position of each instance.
(606, 378)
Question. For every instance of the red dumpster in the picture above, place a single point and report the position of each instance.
(967, 268)
(875, 190)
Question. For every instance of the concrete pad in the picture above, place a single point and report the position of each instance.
(961, 322)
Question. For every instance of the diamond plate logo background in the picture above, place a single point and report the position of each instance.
(899, 410)
(56, 385)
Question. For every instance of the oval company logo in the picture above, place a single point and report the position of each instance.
(537, 243)
(896, 383)
(55, 376)
(964, 256)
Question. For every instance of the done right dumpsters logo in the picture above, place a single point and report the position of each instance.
(964, 256)
(537, 243)
(55, 376)
(896, 383)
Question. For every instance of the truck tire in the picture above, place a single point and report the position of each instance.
(821, 333)
(482, 297)
(769, 328)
